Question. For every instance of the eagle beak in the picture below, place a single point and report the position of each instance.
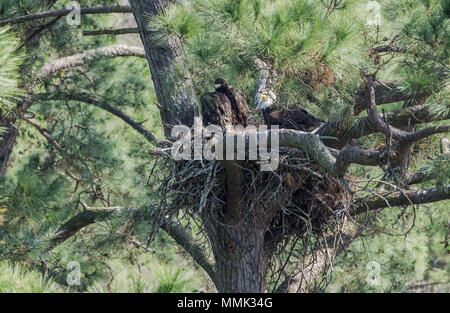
(263, 96)
(217, 86)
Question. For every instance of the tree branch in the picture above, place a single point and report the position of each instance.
(173, 229)
(87, 98)
(73, 225)
(419, 176)
(120, 31)
(64, 12)
(40, 29)
(185, 240)
(386, 92)
(411, 116)
(383, 126)
(407, 197)
(311, 143)
(388, 48)
(423, 133)
(44, 132)
(82, 58)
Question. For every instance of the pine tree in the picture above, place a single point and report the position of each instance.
(86, 175)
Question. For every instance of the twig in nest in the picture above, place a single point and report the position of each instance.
(209, 185)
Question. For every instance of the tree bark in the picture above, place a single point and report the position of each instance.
(238, 250)
(237, 238)
(81, 58)
(177, 102)
(237, 241)
(7, 140)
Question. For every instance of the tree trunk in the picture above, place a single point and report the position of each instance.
(239, 255)
(7, 140)
(176, 99)
(237, 238)
(237, 241)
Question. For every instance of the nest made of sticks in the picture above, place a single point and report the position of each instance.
(297, 197)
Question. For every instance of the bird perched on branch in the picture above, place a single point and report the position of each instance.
(224, 106)
(297, 119)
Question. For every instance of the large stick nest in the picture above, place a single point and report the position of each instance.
(299, 204)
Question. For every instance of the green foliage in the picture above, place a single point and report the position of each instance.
(294, 37)
(10, 62)
(439, 169)
(316, 52)
(173, 280)
(20, 279)
(415, 262)
(174, 22)
(422, 29)
(33, 196)
(442, 108)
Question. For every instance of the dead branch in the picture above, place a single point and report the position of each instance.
(81, 58)
(120, 31)
(382, 126)
(64, 12)
(103, 104)
(408, 197)
(173, 229)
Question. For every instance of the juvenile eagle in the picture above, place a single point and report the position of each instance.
(238, 102)
(297, 119)
(216, 109)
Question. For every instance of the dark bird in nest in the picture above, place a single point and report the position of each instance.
(225, 106)
(297, 119)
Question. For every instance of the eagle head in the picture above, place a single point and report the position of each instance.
(220, 83)
(265, 100)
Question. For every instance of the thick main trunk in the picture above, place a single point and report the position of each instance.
(239, 254)
(176, 99)
(237, 242)
(237, 238)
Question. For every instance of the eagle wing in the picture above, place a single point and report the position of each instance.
(216, 109)
(310, 120)
(239, 105)
(297, 119)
